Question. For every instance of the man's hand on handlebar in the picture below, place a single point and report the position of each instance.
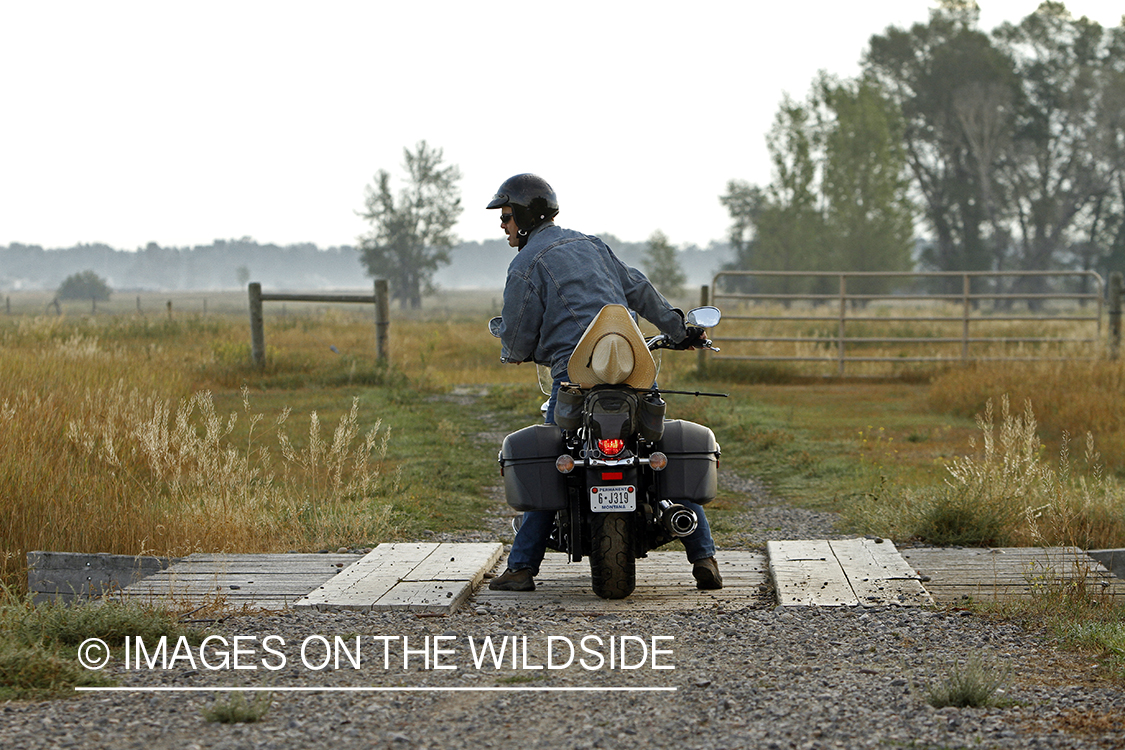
(696, 339)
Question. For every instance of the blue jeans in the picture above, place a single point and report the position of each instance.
(530, 543)
(554, 399)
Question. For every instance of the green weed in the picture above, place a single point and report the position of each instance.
(969, 684)
(38, 644)
(35, 672)
(237, 709)
(518, 679)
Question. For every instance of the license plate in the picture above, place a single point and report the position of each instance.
(614, 499)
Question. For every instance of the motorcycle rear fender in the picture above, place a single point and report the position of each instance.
(597, 476)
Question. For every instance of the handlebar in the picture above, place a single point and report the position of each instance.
(662, 341)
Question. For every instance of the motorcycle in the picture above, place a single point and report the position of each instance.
(613, 470)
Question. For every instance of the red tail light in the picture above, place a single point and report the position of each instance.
(611, 447)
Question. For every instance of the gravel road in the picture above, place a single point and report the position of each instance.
(758, 677)
(769, 678)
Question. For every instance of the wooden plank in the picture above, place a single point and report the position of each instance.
(426, 596)
(362, 583)
(292, 589)
(1006, 573)
(268, 581)
(66, 576)
(664, 583)
(878, 574)
(42, 560)
(807, 573)
(457, 562)
(843, 572)
(441, 577)
(198, 574)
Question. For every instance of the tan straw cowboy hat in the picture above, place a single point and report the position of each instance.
(612, 351)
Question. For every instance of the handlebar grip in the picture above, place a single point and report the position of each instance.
(695, 337)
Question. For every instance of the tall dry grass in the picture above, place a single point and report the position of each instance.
(1070, 397)
(1005, 492)
(107, 449)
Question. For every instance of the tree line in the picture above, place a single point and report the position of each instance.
(93, 270)
(224, 264)
(1005, 150)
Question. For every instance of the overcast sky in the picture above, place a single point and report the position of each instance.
(180, 123)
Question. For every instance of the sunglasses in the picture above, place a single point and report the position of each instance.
(505, 218)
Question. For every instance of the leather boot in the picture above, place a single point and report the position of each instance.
(706, 574)
(513, 580)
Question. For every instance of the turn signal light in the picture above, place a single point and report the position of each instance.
(657, 461)
(611, 447)
(564, 463)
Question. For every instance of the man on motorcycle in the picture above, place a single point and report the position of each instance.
(557, 283)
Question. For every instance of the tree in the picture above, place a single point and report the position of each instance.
(744, 204)
(1015, 139)
(1107, 226)
(869, 220)
(937, 73)
(86, 285)
(1061, 174)
(411, 237)
(663, 267)
(780, 227)
(838, 199)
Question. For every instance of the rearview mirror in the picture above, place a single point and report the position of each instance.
(494, 326)
(703, 317)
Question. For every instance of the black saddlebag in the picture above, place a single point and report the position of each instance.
(568, 407)
(693, 462)
(527, 463)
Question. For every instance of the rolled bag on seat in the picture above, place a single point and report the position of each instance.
(527, 463)
(568, 407)
(647, 410)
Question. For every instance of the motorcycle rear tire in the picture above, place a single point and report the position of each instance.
(613, 570)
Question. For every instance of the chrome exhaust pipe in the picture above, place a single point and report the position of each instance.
(678, 520)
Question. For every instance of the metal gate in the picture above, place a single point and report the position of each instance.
(837, 318)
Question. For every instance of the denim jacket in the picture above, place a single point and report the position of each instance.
(557, 284)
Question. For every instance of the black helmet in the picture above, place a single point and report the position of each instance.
(531, 198)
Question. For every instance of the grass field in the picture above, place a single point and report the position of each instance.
(151, 433)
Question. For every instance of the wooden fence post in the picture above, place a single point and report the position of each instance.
(257, 329)
(382, 319)
(701, 367)
(966, 315)
(1115, 294)
(841, 336)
